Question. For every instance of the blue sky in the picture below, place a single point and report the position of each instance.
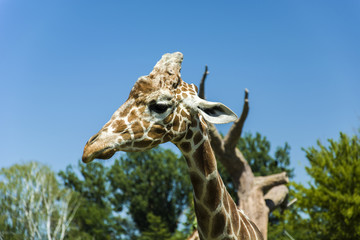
(66, 66)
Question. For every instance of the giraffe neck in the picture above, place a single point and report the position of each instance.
(217, 214)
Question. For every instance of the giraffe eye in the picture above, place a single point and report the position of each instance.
(158, 107)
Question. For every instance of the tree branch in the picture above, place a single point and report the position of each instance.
(194, 235)
(268, 182)
(234, 133)
(276, 196)
(202, 83)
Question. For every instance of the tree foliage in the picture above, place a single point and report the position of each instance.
(157, 229)
(332, 199)
(145, 187)
(33, 204)
(153, 182)
(96, 218)
(256, 149)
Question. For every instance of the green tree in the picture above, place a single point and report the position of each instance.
(153, 182)
(256, 150)
(332, 199)
(96, 218)
(33, 204)
(157, 229)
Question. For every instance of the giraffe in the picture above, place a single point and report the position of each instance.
(162, 107)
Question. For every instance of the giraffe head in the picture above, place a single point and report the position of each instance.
(160, 108)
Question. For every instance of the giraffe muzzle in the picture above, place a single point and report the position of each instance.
(95, 148)
(104, 154)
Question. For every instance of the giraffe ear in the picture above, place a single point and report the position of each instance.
(215, 112)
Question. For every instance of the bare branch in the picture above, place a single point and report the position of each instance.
(291, 202)
(288, 234)
(38, 204)
(202, 83)
(276, 196)
(267, 182)
(194, 236)
(234, 133)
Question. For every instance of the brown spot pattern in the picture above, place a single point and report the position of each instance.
(199, 160)
(235, 218)
(256, 229)
(197, 138)
(176, 123)
(178, 138)
(194, 123)
(182, 126)
(142, 86)
(141, 109)
(227, 238)
(203, 127)
(212, 196)
(189, 134)
(119, 126)
(209, 159)
(228, 227)
(243, 232)
(188, 161)
(137, 130)
(156, 132)
(204, 161)
(125, 112)
(125, 143)
(184, 114)
(125, 135)
(132, 116)
(197, 183)
(218, 225)
(203, 218)
(167, 137)
(146, 124)
(226, 202)
(185, 146)
(143, 143)
(233, 208)
(168, 118)
(155, 143)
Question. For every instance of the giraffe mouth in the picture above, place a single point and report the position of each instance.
(104, 154)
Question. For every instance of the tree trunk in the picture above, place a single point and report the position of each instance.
(258, 196)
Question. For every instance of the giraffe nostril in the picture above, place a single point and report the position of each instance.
(93, 138)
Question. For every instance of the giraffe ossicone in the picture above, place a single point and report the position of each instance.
(162, 107)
